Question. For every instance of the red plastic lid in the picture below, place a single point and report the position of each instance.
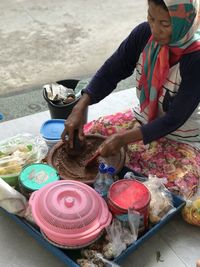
(129, 193)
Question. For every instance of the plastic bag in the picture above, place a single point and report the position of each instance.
(58, 93)
(191, 211)
(130, 223)
(82, 84)
(134, 224)
(19, 151)
(107, 262)
(132, 175)
(11, 200)
(121, 234)
(115, 246)
(85, 263)
(92, 258)
(161, 203)
(103, 251)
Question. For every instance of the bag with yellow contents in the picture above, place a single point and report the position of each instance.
(191, 211)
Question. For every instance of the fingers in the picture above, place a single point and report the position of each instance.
(71, 137)
(110, 146)
(69, 130)
(106, 149)
(69, 133)
(81, 134)
(63, 135)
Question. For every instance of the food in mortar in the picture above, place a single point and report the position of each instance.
(73, 167)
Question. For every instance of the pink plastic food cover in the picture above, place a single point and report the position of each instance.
(70, 213)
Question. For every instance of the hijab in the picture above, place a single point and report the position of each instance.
(157, 59)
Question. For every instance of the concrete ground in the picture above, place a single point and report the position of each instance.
(43, 41)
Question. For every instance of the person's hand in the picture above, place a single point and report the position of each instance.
(111, 145)
(76, 120)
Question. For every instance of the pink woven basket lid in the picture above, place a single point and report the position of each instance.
(127, 193)
(69, 212)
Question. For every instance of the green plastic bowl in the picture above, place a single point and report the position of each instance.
(35, 176)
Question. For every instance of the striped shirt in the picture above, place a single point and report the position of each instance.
(178, 115)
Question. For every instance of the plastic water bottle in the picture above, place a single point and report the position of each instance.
(99, 184)
(109, 177)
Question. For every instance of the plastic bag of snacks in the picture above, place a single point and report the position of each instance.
(119, 236)
(18, 151)
(161, 203)
(92, 258)
(191, 211)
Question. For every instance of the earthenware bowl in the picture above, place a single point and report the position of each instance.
(72, 167)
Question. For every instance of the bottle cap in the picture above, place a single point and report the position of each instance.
(111, 170)
(102, 168)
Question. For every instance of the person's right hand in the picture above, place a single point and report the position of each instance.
(76, 120)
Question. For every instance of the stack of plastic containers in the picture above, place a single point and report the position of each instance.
(51, 131)
(35, 176)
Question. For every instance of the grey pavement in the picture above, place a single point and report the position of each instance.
(43, 41)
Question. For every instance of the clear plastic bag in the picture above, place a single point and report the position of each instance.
(132, 175)
(115, 246)
(107, 263)
(20, 150)
(11, 200)
(161, 203)
(82, 84)
(134, 224)
(121, 234)
(93, 258)
(191, 211)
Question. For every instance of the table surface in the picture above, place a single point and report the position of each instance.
(177, 243)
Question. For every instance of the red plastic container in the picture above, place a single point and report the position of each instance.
(128, 193)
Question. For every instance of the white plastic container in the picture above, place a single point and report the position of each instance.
(50, 143)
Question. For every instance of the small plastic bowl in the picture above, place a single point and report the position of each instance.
(52, 129)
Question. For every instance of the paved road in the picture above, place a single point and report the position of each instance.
(43, 41)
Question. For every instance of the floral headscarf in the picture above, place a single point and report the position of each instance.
(185, 19)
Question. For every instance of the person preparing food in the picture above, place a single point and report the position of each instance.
(162, 134)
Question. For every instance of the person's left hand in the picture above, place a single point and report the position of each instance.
(111, 145)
